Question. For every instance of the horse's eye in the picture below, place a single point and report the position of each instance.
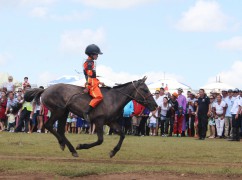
(145, 90)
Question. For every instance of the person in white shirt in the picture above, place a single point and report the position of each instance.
(163, 109)
(9, 85)
(161, 95)
(235, 111)
(219, 112)
(153, 122)
(229, 100)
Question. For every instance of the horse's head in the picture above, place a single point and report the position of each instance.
(142, 94)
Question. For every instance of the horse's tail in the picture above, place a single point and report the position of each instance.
(33, 94)
(28, 96)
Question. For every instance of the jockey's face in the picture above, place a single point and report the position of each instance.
(95, 56)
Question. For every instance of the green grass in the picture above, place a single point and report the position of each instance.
(41, 153)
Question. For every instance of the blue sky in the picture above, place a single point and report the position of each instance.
(192, 41)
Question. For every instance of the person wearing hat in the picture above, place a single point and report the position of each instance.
(229, 100)
(182, 101)
(171, 113)
(9, 85)
(236, 117)
(92, 83)
(202, 114)
(224, 94)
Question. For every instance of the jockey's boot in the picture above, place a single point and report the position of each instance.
(90, 108)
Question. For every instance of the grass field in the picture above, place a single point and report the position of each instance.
(40, 153)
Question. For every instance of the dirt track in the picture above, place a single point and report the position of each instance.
(113, 161)
(126, 176)
(119, 176)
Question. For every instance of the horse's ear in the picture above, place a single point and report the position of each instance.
(144, 78)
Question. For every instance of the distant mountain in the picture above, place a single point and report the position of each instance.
(64, 79)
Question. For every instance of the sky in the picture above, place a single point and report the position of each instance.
(193, 41)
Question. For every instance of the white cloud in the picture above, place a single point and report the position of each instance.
(232, 76)
(234, 43)
(123, 77)
(77, 40)
(73, 16)
(45, 77)
(204, 16)
(39, 12)
(116, 4)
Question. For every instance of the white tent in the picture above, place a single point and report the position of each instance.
(217, 86)
(171, 85)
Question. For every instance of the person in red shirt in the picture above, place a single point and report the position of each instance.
(92, 83)
(3, 106)
(179, 117)
(25, 83)
(136, 116)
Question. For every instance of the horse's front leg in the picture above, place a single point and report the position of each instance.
(119, 131)
(99, 141)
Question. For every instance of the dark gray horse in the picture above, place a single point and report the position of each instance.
(61, 99)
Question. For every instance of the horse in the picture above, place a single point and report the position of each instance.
(61, 99)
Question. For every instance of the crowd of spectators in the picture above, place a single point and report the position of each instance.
(177, 115)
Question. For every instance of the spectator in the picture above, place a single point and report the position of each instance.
(202, 113)
(9, 85)
(19, 92)
(11, 121)
(143, 122)
(73, 124)
(36, 115)
(179, 118)
(211, 119)
(190, 117)
(79, 125)
(171, 113)
(3, 106)
(68, 123)
(153, 122)
(182, 102)
(219, 113)
(26, 113)
(128, 111)
(136, 118)
(196, 119)
(236, 117)
(188, 95)
(224, 94)
(26, 82)
(164, 108)
(229, 100)
(161, 96)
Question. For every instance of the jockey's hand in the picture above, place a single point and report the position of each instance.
(102, 84)
(86, 90)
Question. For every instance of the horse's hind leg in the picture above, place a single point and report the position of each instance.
(61, 131)
(61, 139)
(99, 129)
(119, 131)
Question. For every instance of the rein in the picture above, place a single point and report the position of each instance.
(144, 101)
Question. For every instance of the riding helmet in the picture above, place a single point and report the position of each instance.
(92, 49)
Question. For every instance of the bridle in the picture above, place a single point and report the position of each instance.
(145, 98)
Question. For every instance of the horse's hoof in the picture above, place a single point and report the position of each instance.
(62, 147)
(111, 154)
(79, 146)
(75, 154)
